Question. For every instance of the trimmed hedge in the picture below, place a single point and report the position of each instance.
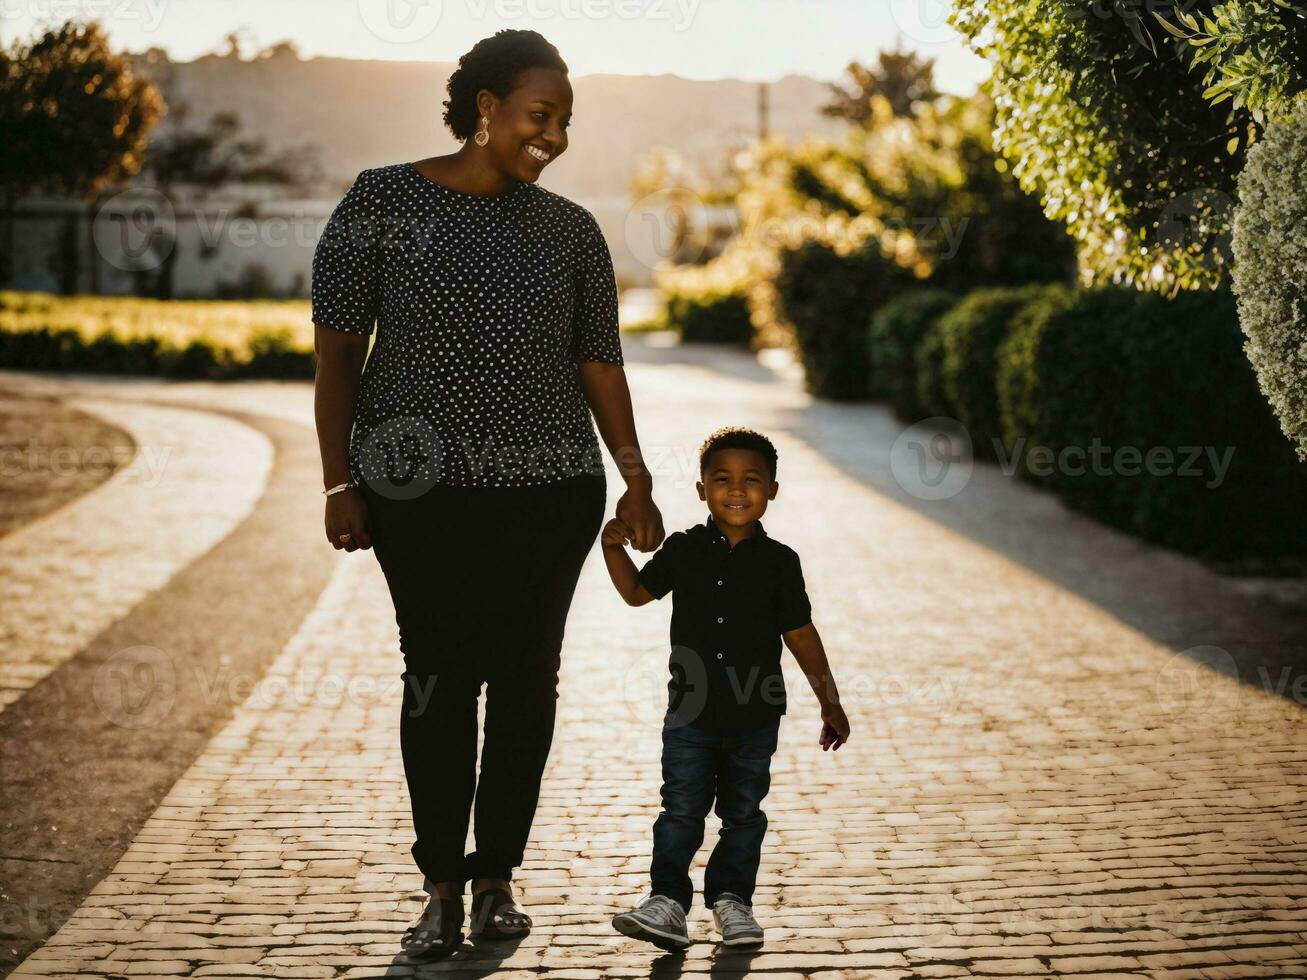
(829, 298)
(718, 319)
(1189, 452)
(897, 332)
(271, 354)
(970, 334)
(932, 399)
(1269, 275)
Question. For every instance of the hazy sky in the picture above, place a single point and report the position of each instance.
(750, 39)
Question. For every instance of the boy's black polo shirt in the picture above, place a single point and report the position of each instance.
(729, 609)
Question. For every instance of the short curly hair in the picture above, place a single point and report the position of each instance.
(494, 63)
(738, 437)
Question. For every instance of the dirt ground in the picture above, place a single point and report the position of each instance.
(51, 454)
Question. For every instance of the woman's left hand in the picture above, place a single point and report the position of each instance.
(636, 509)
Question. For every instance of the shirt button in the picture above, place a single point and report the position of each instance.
(719, 619)
(719, 581)
(719, 656)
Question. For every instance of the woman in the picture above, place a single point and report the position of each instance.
(464, 454)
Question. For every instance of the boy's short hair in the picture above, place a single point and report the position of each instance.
(738, 437)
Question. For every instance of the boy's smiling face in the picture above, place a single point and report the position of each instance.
(736, 486)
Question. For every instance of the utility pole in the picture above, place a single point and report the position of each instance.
(762, 110)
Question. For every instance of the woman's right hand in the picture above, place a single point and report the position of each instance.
(347, 513)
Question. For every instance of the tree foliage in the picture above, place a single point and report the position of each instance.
(903, 78)
(927, 192)
(1254, 52)
(76, 118)
(1102, 116)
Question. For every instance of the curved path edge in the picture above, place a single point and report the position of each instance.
(193, 647)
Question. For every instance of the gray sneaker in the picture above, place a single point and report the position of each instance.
(658, 919)
(735, 921)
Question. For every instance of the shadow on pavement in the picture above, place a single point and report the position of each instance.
(1235, 626)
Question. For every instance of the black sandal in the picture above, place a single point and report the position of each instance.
(420, 941)
(495, 915)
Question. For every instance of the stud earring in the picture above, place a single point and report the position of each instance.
(483, 135)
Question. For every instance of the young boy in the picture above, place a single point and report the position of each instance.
(736, 592)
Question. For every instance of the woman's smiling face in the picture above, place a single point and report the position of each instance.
(528, 129)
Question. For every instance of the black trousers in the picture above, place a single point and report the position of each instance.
(482, 579)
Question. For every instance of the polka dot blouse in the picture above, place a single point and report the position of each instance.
(483, 308)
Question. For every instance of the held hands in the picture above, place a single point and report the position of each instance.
(641, 521)
(616, 534)
(347, 513)
(834, 727)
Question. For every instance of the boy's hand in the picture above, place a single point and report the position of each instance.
(834, 727)
(616, 534)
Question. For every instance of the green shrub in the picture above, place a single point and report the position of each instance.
(269, 354)
(273, 355)
(970, 334)
(1270, 270)
(196, 360)
(932, 399)
(895, 333)
(828, 298)
(712, 318)
(1152, 420)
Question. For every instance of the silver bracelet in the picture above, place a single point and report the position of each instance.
(339, 487)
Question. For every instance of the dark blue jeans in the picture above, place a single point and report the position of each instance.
(736, 770)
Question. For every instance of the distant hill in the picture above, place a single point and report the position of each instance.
(349, 115)
(366, 113)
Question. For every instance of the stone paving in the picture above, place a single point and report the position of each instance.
(1035, 785)
(68, 575)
